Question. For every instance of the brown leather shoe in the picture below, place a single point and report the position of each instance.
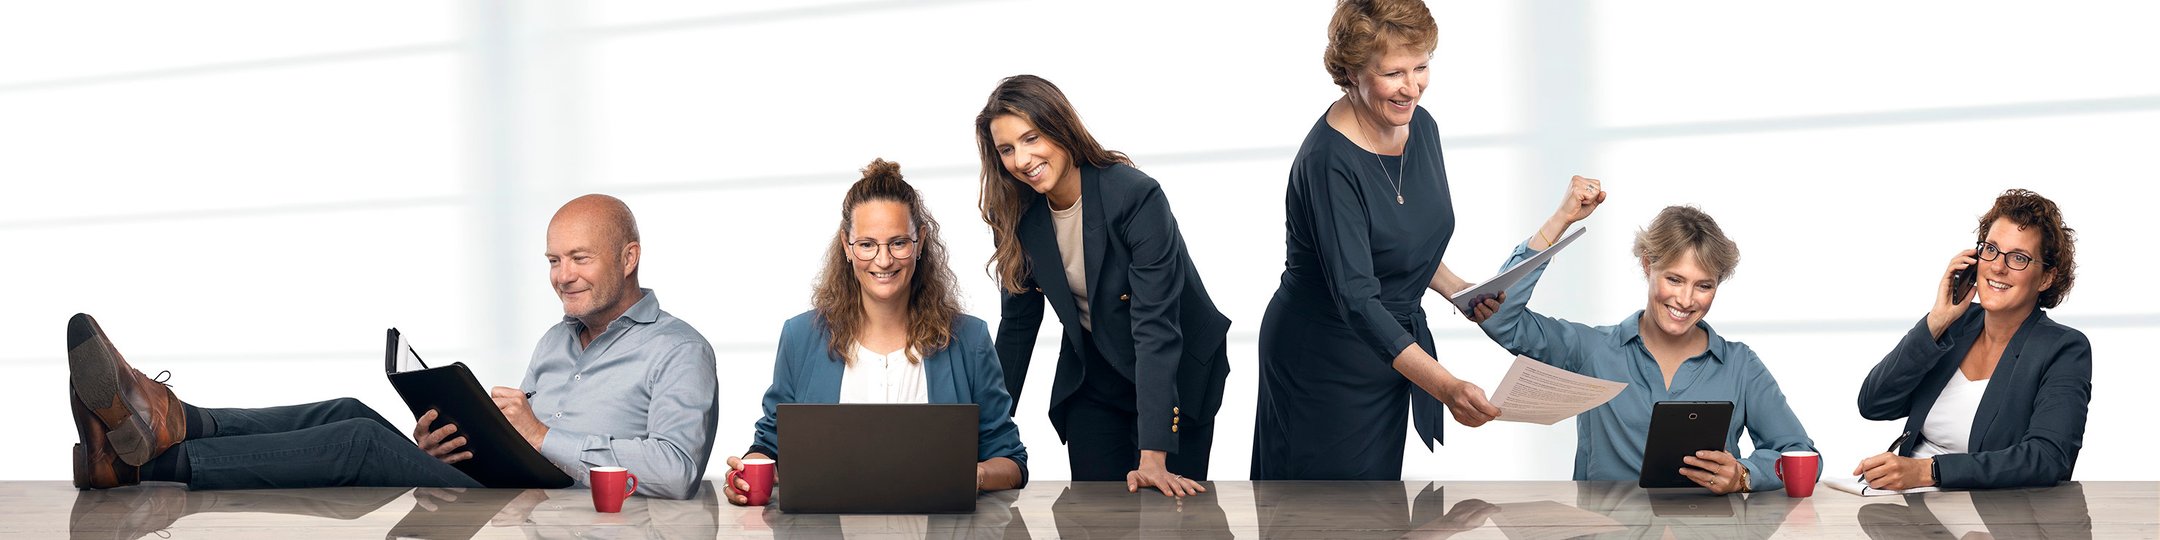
(143, 416)
(97, 466)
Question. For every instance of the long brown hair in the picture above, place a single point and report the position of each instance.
(933, 294)
(1004, 197)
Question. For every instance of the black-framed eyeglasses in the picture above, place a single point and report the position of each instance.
(1989, 251)
(901, 249)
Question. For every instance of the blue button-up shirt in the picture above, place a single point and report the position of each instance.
(1609, 439)
(642, 396)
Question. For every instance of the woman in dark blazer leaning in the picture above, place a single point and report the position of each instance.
(1141, 367)
(1996, 396)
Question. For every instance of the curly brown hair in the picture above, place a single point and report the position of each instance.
(1004, 198)
(1361, 27)
(933, 294)
(2058, 243)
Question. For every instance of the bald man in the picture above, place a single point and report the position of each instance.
(617, 383)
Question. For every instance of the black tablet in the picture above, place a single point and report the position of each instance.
(1677, 430)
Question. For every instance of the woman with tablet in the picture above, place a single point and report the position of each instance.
(1996, 395)
(887, 328)
(1665, 352)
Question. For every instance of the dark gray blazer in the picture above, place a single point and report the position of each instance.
(1154, 322)
(2031, 420)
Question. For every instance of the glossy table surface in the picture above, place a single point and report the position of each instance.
(1419, 509)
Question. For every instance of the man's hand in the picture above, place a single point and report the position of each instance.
(439, 443)
(514, 407)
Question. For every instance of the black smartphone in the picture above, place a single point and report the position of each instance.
(1962, 282)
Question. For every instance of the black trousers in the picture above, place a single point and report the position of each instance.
(1102, 440)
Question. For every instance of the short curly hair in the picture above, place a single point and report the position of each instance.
(1362, 27)
(2058, 243)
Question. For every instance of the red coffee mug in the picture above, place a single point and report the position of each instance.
(1799, 470)
(608, 489)
(759, 474)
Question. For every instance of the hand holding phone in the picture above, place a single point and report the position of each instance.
(1962, 282)
(1956, 293)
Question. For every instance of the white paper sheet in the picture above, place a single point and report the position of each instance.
(1536, 393)
(1468, 298)
(1856, 486)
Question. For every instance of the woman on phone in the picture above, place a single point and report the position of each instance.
(1991, 397)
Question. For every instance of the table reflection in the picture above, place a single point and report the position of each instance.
(1687, 513)
(568, 513)
(1106, 510)
(151, 508)
(1362, 510)
(994, 517)
(2053, 512)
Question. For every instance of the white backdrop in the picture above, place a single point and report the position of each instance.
(248, 192)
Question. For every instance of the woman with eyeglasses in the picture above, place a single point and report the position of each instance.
(1141, 367)
(1996, 396)
(886, 327)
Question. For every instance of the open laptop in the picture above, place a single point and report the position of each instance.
(877, 458)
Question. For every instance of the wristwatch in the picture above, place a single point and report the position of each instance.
(1934, 473)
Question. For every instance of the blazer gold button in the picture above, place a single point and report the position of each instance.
(1173, 410)
(1173, 428)
(1173, 420)
(1124, 297)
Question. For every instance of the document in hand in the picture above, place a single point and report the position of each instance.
(1857, 486)
(1468, 298)
(501, 457)
(1541, 394)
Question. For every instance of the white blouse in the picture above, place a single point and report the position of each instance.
(1948, 429)
(883, 378)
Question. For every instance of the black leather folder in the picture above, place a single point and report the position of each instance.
(501, 457)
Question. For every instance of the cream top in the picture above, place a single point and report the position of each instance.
(1073, 249)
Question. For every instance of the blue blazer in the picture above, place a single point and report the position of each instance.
(2031, 420)
(1154, 322)
(967, 371)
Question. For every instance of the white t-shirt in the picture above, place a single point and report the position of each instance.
(1072, 247)
(883, 378)
(1948, 429)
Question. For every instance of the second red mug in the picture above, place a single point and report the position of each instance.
(759, 474)
(1799, 470)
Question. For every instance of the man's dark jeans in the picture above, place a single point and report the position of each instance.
(340, 442)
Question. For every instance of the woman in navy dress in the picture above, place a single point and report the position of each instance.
(1345, 340)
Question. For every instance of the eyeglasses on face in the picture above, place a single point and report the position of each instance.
(1989, 252)
(900, 248)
